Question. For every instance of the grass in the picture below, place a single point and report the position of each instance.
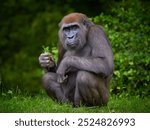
(43, 104)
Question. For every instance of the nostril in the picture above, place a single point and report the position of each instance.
(70, 37)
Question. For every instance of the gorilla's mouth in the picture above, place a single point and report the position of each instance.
(72, 44)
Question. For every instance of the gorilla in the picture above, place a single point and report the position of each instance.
(85, 63)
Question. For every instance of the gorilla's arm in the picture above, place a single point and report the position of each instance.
(100, 60)
(95, 65)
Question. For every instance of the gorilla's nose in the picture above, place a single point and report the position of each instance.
(71, 37)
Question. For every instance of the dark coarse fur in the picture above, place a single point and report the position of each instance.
(85, 71)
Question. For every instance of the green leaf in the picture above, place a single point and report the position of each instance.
(45, 49)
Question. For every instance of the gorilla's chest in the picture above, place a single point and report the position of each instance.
(84, 52)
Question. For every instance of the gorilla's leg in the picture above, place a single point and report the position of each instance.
(53, 88)
(90, 90)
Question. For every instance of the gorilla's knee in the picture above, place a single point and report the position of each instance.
(82, 77)
(48, 78)
(85, 79)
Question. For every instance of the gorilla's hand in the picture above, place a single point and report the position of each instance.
(62, 70)
(46, 60)
(61, 78)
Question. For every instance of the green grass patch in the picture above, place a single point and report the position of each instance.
(43, 104)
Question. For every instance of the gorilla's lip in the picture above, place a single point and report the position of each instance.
(72, 45)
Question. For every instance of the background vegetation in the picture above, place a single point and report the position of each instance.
(27, 25)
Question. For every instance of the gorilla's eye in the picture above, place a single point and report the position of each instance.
(66, 29)
(74, 27)
(71, 27)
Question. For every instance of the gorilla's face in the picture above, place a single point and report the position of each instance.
(73, 36)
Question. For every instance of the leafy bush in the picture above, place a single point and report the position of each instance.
(128, 31)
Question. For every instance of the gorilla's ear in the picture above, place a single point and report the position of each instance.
(86, 21)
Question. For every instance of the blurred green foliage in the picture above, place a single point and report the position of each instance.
(27, 25)
(128, 30)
